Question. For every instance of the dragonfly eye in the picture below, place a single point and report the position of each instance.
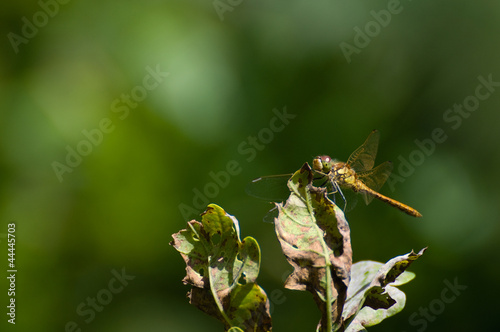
(322, 164)
(317, 164)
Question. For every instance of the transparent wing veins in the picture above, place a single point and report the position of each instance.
(271, 188)
(363, 158)
(375, 178)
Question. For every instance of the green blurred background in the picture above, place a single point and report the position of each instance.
(118, 206)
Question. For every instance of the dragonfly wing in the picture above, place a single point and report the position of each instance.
(271, 215)
(375, 178)
(271, 188)
(363, 158)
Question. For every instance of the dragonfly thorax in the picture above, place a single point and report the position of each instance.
(343, 174)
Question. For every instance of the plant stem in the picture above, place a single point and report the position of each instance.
(328, 274)
(328, 298)
(216, 298)
(212, 287)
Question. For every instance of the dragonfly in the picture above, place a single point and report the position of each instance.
(357, 174)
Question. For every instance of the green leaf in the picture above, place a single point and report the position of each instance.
(223, 271)
(315, 239)
(373, 294)
(235, 329)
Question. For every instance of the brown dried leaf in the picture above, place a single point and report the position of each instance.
(315, 239)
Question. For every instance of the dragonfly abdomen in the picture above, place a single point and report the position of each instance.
(362, 188)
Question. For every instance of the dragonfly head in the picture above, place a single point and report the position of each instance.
(322, 164)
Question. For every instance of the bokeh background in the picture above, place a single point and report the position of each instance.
(229, 65)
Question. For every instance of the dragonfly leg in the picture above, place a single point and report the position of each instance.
(331, 188)
(332, 193)
(337, 189)
(327, 184)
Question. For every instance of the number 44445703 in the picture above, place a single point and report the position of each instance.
(11, 240)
